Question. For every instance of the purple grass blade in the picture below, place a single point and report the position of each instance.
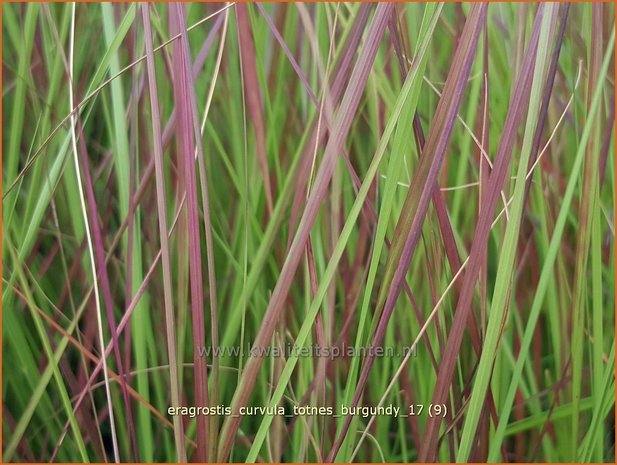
(294, 64)
(162, 220)
(340, 71)
(253, 96)
(344, 118)
(548, 92)
(214, 325)
(99, 249)
(368, 212)
(447, 233)
(186, 149)
(340, 74)
(423, 184)
(428, 451)
(164, 256)
(122, 325)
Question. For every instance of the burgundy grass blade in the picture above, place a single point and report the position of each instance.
(162, 222)
(214, 325)
(165, 137)
(186, 149)
(548, 92)
(122, 325)
(253, 96)
(99, 249)
(409, 226)
(340, 74)
(344, 118)
(447, 233)
(279, 38)
(428, 451)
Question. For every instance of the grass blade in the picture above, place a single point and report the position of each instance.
(162, 221)
(429, 448)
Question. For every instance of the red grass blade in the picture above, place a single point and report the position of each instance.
(99, 249)
(340, 74)
(162, 220)
(186, 149)
(344, 118)
(253, 97)
(428, 450)
(409, 227)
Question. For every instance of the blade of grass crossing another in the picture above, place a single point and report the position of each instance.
(51, 358)
(400, 147)
(406, 103)
(342, 126)
(428, 450)
(162, 221)
(553, 250)
(56, 170)
(409, 225)
(44, 378)
(588, 203)
(505, 270)
(601, 409)
(88, 237)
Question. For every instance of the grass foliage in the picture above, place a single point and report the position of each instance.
(184, 181)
